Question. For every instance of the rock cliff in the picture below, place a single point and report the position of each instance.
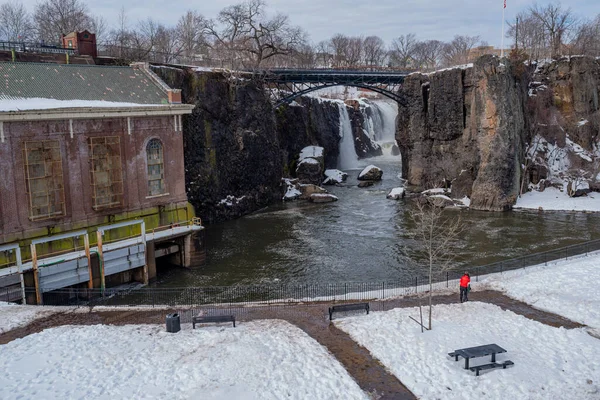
(468, 123)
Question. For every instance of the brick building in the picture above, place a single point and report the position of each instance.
(84, 146)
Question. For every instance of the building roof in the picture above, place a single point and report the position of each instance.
(80, 82)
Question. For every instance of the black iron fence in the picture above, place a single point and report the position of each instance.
(283, 294)
(36, 47)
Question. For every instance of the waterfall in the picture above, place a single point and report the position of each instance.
(348, 158)
(381, 123)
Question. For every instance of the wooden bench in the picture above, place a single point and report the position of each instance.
(212, 318)
(491, 366)
(348, 307)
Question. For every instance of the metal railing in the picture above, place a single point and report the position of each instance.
(291, 293)
(36, 47)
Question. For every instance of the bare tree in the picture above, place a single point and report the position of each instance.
(15, 22)
(99, 27)
(249, 36)
(191, 33)
(323, 56)
(587, 38)
(339, 46)
(437, 233)
(403, 49)
(428, 54)
(528, 34)
(167, 44)
(54, 18)
(354, 52)
(374, 51)
(557, 24)
(457, 51)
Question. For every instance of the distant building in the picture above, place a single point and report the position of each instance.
(84, 42)
(87, 146)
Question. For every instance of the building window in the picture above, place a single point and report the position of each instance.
(156, 168)
(107, 175)
(43, 172)
(70, 43)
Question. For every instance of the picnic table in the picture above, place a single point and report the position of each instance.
(478, 351)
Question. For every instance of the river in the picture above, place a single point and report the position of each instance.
(363, 237)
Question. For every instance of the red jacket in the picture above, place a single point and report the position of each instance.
(464, 281)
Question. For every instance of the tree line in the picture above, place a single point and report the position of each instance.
(246, 35)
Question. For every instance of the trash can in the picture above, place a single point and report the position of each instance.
(173, 323)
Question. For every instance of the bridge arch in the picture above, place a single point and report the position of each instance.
(384, 92)
(287, 85)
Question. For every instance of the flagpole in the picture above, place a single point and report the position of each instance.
(502, 41)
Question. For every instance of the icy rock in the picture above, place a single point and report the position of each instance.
(334, 176)
(396, 194)
(370, 173)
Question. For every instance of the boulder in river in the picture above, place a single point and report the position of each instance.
(334, 176)
(308, 190)
(311, 165)
(370, 173)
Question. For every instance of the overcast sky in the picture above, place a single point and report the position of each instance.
(429, 19)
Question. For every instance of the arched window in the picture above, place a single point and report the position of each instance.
(156, 168)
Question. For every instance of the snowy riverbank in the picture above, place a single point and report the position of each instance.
(553, 199)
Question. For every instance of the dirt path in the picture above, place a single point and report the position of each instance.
(366, 370)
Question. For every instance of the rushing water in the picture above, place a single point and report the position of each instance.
(347, 158)
(364, 237)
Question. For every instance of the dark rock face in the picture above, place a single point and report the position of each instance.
(232, 153)
(462, 186)
(310, 171)
(363, 145)
(308, 122)
(469, 120)
(573, 85)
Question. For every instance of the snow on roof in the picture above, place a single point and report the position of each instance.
(49, 104)
(311, 151)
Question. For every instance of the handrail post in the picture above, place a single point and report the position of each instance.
(146, 274)
(36, 279)
(86, 242)
(100, 259)
(20, 269)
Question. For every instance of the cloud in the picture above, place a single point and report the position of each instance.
(429, 19)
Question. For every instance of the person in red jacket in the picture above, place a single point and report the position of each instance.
(464, 287)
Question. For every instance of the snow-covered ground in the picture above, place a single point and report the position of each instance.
(256, 360)
(13, 316)
(549, 362)
(553, 199)
(567, 287)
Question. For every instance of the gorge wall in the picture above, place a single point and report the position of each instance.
(238, 148)
(476, 127)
